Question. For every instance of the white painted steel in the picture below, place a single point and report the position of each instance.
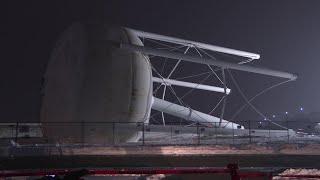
(196, 44)
(210, 61)
(190, 114)
(190, 85)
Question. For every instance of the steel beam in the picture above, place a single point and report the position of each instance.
(190, 114)
(190, 85)
(194, 43)
(209, 61)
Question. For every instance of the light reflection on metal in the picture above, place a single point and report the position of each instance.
(190, 85)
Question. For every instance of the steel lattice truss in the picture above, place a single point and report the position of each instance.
(181, 51)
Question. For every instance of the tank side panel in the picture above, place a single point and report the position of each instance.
(106, 91)
(140, 106)
(107, 88)
(63, 81)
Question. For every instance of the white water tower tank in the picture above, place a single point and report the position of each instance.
(90, 83)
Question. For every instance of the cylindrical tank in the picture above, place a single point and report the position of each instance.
(91, 86)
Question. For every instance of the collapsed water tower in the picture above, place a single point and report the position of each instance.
(99, 84)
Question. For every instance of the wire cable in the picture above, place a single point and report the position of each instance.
(254, 97)
(250, 104)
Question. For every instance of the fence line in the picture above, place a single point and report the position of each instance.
(141, 133)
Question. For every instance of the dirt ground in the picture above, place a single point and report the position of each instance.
(311, 149)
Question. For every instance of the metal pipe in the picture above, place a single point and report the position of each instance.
(190, 58)
(194, 43)
(188, 113)
(190, 85)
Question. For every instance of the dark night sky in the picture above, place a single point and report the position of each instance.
(285, 33)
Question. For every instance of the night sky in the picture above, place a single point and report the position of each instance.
(285, 33)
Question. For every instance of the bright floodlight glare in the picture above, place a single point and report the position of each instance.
(273, 116)
(286, 112)
(265, 119)
(301, 109)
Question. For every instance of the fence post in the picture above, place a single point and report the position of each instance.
(249, 131)
(143, 133)
(82, 132)
(215, 132)
(113, 133)
(269, 125)
(288, 131)
(198, 132)
(232, 134)
(17, 130)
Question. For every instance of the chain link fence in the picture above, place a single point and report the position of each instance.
(121, 134)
